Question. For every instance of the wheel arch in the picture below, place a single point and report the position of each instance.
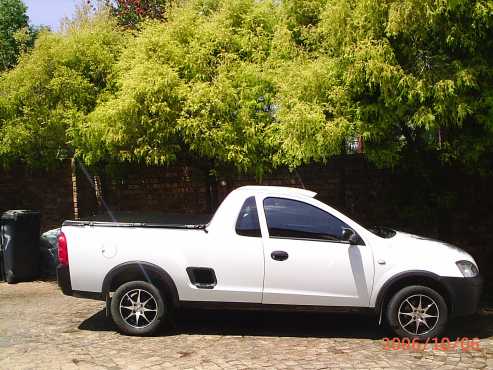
(139, 270)
(407, 278)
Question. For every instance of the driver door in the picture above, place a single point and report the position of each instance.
(306, 260)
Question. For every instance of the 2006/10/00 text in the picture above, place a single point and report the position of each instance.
(436, 344)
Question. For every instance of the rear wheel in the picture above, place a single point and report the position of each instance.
(417, 312)
(138, 308)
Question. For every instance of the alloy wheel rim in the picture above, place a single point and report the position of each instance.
(418, 314)
(138, 308)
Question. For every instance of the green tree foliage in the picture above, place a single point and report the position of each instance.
(194, 83)
(55, 86)
(418, 74)
(15, 33)
(258, 84)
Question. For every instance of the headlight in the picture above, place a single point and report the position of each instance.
(467, 268)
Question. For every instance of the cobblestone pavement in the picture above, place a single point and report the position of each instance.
(42, 329)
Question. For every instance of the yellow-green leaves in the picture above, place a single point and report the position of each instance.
(139, 122)
(54, 87)
(257, 84)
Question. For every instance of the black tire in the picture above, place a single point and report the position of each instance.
(138, 315)
(400, 313)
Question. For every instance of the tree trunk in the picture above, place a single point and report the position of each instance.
(75, 199)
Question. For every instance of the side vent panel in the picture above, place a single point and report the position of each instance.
(202, 277)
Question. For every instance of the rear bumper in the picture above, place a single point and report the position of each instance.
(63, 279)
(464, 294)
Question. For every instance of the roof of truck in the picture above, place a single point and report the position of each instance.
(278, 189)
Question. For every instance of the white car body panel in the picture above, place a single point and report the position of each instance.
(407, 252)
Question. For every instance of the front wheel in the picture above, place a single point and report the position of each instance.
(137, 308)
(417, 312)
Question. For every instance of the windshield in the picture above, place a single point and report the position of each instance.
(381, 231)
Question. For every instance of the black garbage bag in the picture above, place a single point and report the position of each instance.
(48, 245)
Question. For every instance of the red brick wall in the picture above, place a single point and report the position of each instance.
(177, 189)
(49, 191)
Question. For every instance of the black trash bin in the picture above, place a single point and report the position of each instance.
(20, 244)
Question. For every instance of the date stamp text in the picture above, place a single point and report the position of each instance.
(436, 344)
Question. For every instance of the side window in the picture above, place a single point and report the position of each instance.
(247, 223)
(289, 218)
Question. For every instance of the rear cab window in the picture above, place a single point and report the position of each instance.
(247, 223)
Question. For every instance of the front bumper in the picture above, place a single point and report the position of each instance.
(464, 294)
(63, 279)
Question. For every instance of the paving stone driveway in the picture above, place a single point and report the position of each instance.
(42, 329)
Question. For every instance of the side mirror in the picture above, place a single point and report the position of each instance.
(350, 236)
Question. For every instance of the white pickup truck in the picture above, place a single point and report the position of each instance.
(267, 248)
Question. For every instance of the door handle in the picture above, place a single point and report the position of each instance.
(279, 255)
